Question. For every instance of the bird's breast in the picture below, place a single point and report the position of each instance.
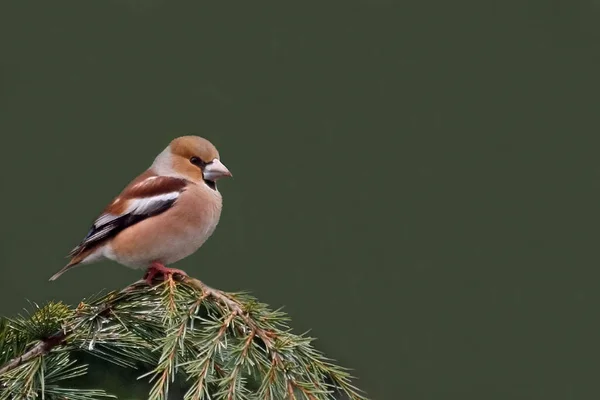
(172, 235)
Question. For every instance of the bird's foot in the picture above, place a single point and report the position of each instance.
(157, 268)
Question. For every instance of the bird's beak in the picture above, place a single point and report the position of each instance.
(215, 170)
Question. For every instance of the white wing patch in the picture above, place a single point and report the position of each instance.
(148, 204)
(100, 232)
(140, 206)
(137, 207)
(143, 204)
(105, 219)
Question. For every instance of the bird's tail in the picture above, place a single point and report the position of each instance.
(76, 259)
(78, 256)
(64, 269)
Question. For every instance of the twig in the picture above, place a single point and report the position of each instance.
(235, 307)
(251, 325)
(44, 346)
(41, 348)
(306, 393)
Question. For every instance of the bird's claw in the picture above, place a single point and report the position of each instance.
(157, 268)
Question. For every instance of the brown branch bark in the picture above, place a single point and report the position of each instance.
(235, 307)
(39, 349)
(44, 346)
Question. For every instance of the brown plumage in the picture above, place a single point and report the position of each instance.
(163, 215)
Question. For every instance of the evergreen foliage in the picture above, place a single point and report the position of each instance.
(224, 345)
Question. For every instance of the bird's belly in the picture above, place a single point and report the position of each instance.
(158, 239)
(176, 247)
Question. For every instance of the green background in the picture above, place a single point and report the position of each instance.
(415, 182)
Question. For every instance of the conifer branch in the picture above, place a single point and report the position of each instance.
(41, 348)
(224, 345)
(45, 344)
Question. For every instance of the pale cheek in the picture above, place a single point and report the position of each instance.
(195, 172)
(188, 169)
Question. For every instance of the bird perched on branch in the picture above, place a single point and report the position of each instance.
(163, 215)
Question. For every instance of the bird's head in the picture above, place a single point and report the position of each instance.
(193, 158)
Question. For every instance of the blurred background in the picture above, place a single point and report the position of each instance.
(415, 182)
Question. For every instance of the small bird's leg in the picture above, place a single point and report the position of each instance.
(149, 276)
(159, 268)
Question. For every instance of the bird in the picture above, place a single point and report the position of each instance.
(162, 216)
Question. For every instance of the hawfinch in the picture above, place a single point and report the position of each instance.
(163, 215)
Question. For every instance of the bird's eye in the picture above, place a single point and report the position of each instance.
(197, 161)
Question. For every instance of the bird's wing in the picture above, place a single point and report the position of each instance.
(147, 198)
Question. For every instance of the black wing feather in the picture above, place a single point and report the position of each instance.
(100, 233)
